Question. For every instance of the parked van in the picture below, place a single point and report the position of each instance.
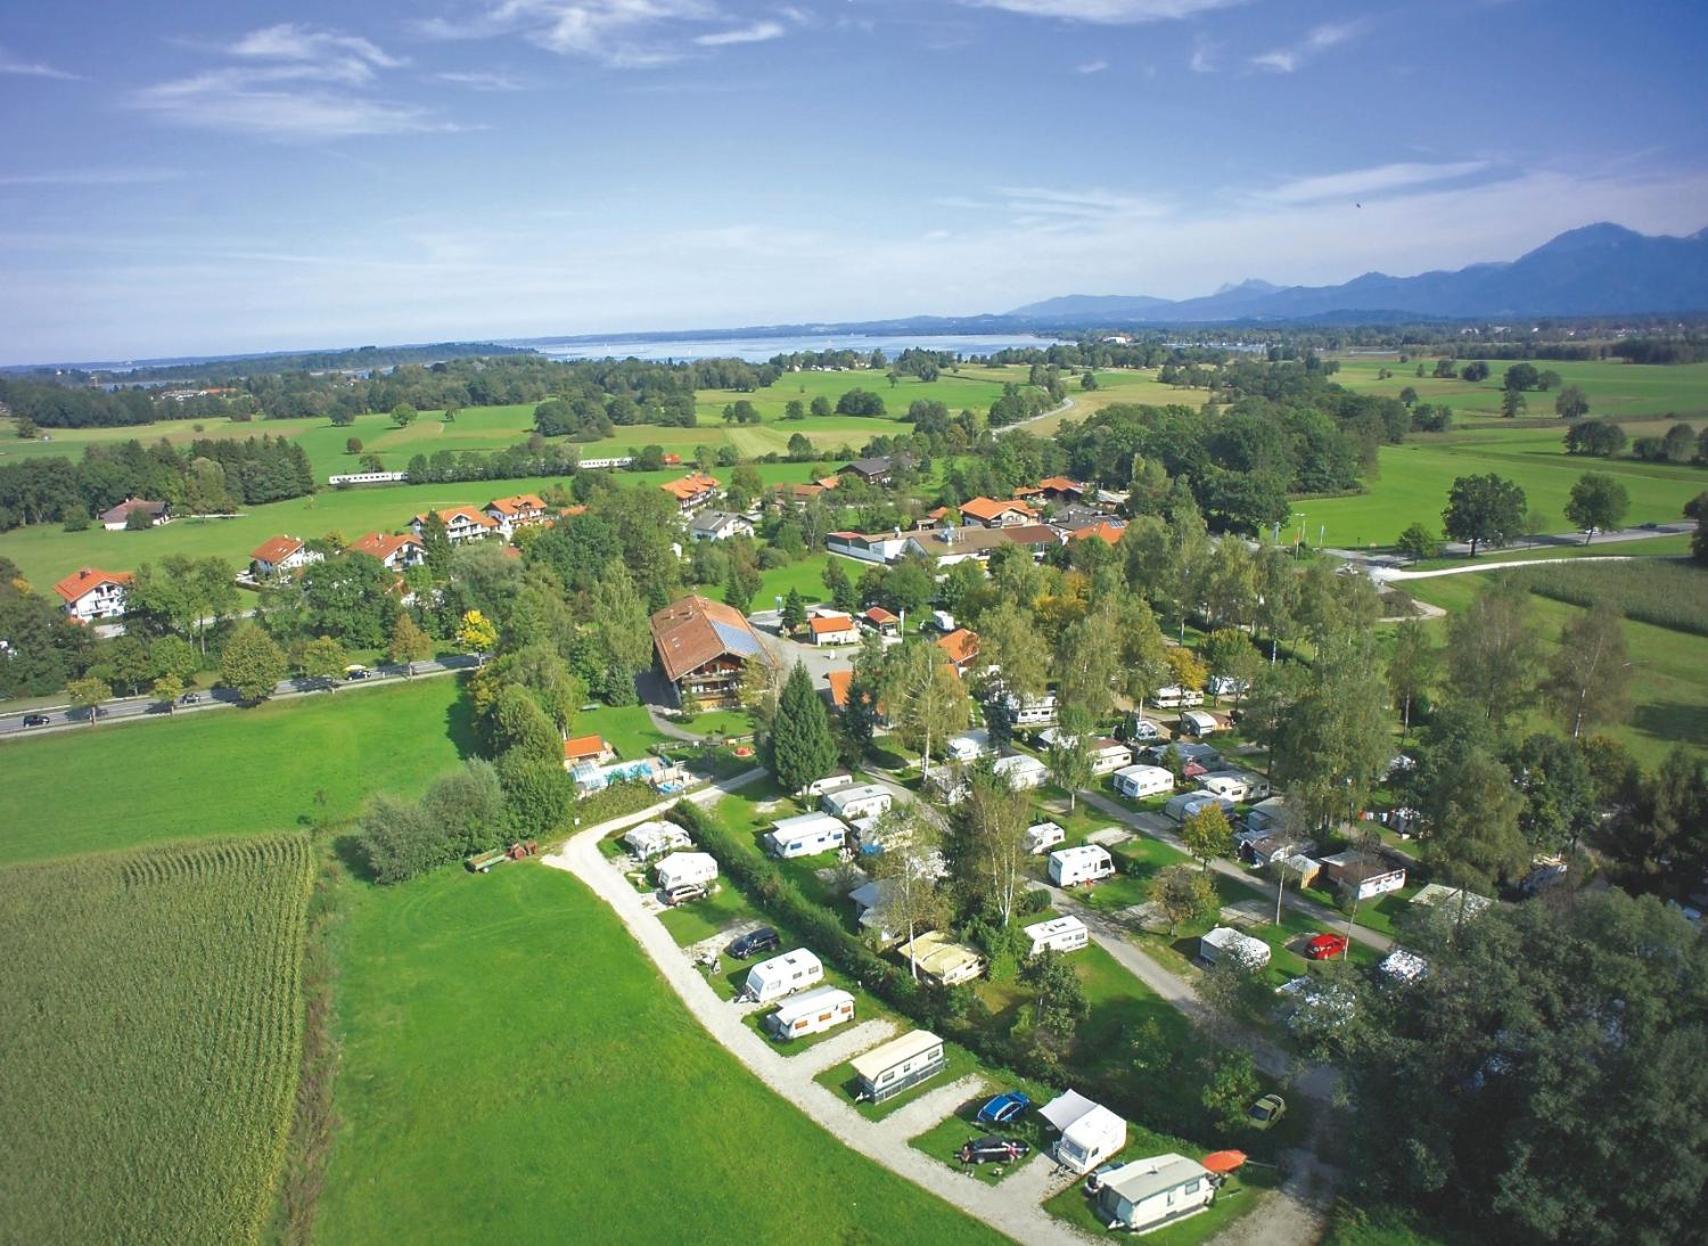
(1060, 934)
(1085, 864)
(812, 1013)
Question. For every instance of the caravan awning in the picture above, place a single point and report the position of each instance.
(1065, 1109)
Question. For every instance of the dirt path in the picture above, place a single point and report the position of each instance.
(1009, 1209)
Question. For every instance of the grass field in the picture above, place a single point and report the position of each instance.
(151, 1032)
(1613, 387)
(226, 772)
(514, 1070)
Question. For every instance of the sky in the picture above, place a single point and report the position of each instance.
(202, 177)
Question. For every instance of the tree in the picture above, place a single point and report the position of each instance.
(1571, 403)
(1230, 1089)
(925, 699)
(820, 405)
(323, 659)
(518, 724)
(409, 644)
(1331, 745)
(437, 541)
(1207, 834)
(908, 587)
(1183, 896)
(87, 694)
(125, 663)
(1512, 403)
(1492, 651)
(1597, 502)
(1412, 669)
(742, 585)
(1559, 792)
(1059, 1004)
(794, 611)
(800, 747)
(353, 445)
(1185, 668)
(1476, 841)
(990, 840)
(168, 688)
(477, 635)
(252, 664)
(1418, 543)
(1483, 510)
(1476, 371)
(1521, 376)
(1229, 654)
(172, 655)
(403, 415)
(1679, 443)
(911, 901)
(1548, 379)
(1070, 756)
(794, 409)
(1589, 675)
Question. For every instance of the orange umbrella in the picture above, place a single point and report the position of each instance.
(1224, 1161)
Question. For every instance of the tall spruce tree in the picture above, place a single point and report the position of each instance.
(802, 748)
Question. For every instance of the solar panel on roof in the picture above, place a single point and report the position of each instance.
(735, 639)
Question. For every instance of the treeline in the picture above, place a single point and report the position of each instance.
(1661, 350)
(208, 477)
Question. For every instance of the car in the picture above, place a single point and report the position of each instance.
(684, 893)
(190, 698)
(1094, 1179)
(754, 942)
(36, 720)
(1325, 946)
(1649, 527)
(1005, 1108)
(358, 673)
(1266, 1111)
(991, 1150)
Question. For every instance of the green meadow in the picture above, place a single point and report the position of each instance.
(1613, 387)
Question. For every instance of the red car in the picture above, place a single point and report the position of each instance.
(1325, 946)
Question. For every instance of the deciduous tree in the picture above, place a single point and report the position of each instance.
(1598, 502)
(252, 664)
(1589, 675)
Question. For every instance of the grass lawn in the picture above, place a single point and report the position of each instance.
(512, 1065)
(151, 1031)
(807, 576)
(626, 728)
(227, 772)
(1674, 546)
(944, 1139)
(1614, 387)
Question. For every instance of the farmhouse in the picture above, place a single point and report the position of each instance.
(718, 526)
(90, 594)
(885, 547)
(861, 801)
(395, 552)
(961, 647)
(652, 839)
(586, 748)
(1362, 875)
(704, 648)
(513, 513)
(812, 1013)
(1090, 1132)
(990, 513)
(686, 867)
(941, 959)
(874, 471)
(783, 975)
(1023, 771)
(806, 835)
(1226, 943)
(1084, 864)
(691, 491)
(1059, 934)
(281, 554)
(462, 523)
(117, 518)
(1146, 1193)
(833, 629)
(898, 1065)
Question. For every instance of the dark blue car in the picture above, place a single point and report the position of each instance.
(1004, 1108)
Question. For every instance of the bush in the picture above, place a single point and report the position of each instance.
(463, 812)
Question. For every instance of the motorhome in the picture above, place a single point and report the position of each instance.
(1059, 934)
(1085, 864)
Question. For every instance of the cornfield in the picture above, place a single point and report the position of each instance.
(1664, 593)
(149, 1040)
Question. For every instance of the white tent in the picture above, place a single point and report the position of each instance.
(1091, 1133)
(686, 867)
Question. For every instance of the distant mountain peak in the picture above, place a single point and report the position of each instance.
(1251, 285)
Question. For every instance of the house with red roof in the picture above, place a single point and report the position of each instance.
(990, 513)
(462, 523)
(586, 748)
(280, 555)
(882, 622)
(961, 647)
(833, 629)
(521, 511)
(1062, 489)
(90, 594)
(691, 491)
(396, 552)
(704, 649)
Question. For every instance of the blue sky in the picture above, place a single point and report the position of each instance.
(206, 177)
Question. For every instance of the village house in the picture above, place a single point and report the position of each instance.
(1105, 530)
(587, 749)
(522, 511)
(718, 526)
(396, 552)
(881, 621)
(117, 518)
(874, 471)
(691, 491)
(704, 649)
(833, 629)
(91, 595)
(990, 513)
(280, 555)
(462, 523)
(961, 647)
(1061, 489)
(883, 548)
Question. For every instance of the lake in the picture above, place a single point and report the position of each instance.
(759, 349)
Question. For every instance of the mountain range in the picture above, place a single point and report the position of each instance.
(1598, 270)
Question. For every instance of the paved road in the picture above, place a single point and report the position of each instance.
(1011, 1208)
(125, 709)
(1384, 566)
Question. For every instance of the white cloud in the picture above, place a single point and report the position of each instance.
(1091, 67)
(292, 82)
(1045, 203)
(482, 80)
(90, 177)
(1106, 12)
(1203, 58)
(33, 69)
(758, 32)
(1370, 182)
(1320, 39)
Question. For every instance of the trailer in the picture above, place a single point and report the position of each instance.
(812, 1013)
(970, 745)
(806, 836)
(1023, 771)
(681, 868)
(1241, 785)
(1183, 806)
(830, 782)
(1060, 934)
(1197, 723)
(1085, 864)
(898, 1065)
(783, 975)
(860, 801)
(1042, 837)
(1174, 696)
(654, 839)
(482, 862)
(1139, 782)
(1090, 1132)
(1226, 943)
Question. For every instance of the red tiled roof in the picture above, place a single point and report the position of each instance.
(382, 545)
(1061, 484)
(985, 509)
(1032, 534)
(693, 631)
(276, 550)
(1104, 531)
(839, 682)
(822, 626)
(878, 615)
(689, 486)
(81, 582)
(521, 502)
(583, 746)
(961, 645)
(480, 518)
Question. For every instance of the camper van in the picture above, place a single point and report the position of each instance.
(683, 868)
(818, 1010)
(1183, 806)
(1174, 696)
(783, 975)
(898, 1065)
(1042, 837)
(1085, 864)
(1240, 785)
(1138, 782)
(1197, 723)
(1059, 934)
(805, 836)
